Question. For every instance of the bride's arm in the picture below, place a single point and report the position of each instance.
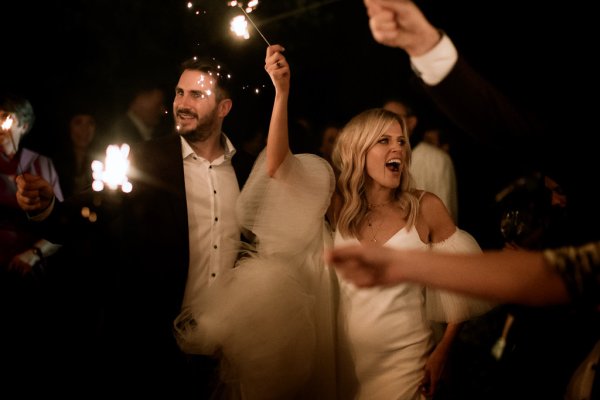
(277, 141)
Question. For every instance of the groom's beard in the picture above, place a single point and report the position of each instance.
(205, 127)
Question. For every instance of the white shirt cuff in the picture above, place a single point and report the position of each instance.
(437, 63)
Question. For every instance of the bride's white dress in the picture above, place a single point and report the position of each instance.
(271, 319)
(389, 327)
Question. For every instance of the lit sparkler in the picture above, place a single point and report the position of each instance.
(6, 125)
(112, 173)
(240, 27)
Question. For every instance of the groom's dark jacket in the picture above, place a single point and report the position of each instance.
(137, 255)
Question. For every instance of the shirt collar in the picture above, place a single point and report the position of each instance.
(186, 149)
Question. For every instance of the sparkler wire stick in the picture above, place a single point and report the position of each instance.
(254, 25)
(19, 169)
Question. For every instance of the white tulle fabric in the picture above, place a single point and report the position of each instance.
(446, 306)
(272, 318)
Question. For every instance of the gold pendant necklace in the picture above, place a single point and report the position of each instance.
(372, 228)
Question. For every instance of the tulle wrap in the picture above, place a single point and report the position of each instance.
(271, 318)
(447, 306)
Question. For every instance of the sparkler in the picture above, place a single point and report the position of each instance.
(251, 6)
(6, 125)
(113, 173)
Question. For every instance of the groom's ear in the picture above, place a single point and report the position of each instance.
(224, 107)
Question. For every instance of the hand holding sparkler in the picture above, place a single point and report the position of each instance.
(34, 193)
(278, 68)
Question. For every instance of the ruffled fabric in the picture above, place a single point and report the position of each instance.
(272, 318)
(447, 306)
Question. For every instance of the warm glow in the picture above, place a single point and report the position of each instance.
(239, 26)
(113, 172)
(249, 7)
(7, 123)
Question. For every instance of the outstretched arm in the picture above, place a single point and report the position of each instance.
(277, 141)
(516, 276)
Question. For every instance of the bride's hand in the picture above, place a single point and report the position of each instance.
(278, 68)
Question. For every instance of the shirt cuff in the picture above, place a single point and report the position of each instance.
(433, 66)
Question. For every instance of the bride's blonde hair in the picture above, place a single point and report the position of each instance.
(349, 156)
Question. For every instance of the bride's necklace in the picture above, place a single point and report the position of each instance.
(372, 228)
(372, 206)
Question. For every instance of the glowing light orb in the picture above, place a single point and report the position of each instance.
(239, 26)
(113, 172)
(7, 123)
(249, 6)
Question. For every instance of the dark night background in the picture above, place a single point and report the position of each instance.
(88, 50)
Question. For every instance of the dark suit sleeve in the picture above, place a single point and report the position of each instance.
(483, 112)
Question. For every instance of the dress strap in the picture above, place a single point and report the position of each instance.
(421, 195)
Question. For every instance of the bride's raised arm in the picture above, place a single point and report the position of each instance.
(277, 141)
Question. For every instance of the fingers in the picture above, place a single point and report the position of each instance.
(341, 255)
(351, 265)
(28, 181)
(274, 59)
(274, 48)
(29, 201)
(373, 7)
(30, 192)
(384, 26)
(426, 384)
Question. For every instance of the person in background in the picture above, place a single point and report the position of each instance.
(24, 253)
(74, 159)
(329, 133)
(20, 248)
(508, 349)
(143, 118)
(435, 136)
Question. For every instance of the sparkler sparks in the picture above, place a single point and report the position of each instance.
(7, 123)
(6, 126)
(113, 173)
(240, 26)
